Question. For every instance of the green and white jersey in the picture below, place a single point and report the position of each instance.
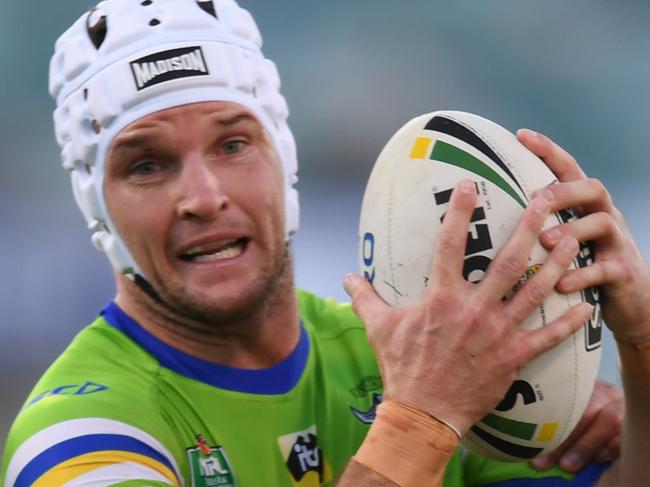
(120, 407)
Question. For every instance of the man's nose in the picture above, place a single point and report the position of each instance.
(201, 191)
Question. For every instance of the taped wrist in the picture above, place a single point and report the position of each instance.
(407, 446)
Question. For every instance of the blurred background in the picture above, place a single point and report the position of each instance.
(353, 73)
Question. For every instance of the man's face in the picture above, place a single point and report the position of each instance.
(196, 192)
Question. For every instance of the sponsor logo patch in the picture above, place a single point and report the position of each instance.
(304, 458)
(168, 65)
(209, 465)
(68, 390)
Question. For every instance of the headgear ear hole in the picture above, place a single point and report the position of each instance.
(96, 27)
(207, 6)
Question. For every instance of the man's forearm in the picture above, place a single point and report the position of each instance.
(632, 468)
(357, 475)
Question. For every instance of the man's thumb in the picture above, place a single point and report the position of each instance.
(365, 301)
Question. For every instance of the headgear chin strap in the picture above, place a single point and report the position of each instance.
(126, 59)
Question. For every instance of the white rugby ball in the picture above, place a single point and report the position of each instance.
(407, 195)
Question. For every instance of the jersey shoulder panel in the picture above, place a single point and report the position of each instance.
(339, 341)
(99, 369)
(94, 407)
(326, 317)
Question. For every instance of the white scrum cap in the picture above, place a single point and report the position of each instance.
(126, 59)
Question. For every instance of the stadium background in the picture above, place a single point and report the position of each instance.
(353, 72)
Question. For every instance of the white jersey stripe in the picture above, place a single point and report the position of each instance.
(73, 428)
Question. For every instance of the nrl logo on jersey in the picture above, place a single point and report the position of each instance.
(167, 65)
(209, 465)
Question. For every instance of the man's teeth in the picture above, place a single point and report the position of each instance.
(232, 250)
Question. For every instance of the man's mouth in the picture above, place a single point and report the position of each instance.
(226, 249)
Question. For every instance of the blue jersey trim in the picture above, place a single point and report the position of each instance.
(528, 482)
(279, 379)
(590, 474)
(81, 445)
(587, 477)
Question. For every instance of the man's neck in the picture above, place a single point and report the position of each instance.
(261, 339)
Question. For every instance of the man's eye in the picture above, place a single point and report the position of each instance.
(145, 168)
(233, 146)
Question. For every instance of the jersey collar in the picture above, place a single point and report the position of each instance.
(279, 379)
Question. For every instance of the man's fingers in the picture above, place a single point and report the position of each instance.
(536, 289)
(509, 265)
(611, 452)
(450, 247)
(596, 226)
(589, 194)
(365, 301)
(594, 443)
(596, 437)
(563, 165)
(553, 458)
(539, 340)
(604, 272)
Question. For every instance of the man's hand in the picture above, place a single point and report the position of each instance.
(620, 270)
(455, 353)
(623, 279)
(596, 437)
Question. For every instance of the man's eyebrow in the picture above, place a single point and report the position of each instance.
(130, 142)
(242, 117)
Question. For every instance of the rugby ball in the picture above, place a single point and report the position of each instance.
(407, 194)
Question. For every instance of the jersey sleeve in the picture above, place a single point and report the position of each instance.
(93, 419)
(91, 451)
(481, 472)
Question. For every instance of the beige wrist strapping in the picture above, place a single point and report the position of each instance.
(407, 446)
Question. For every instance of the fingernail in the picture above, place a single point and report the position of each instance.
(547, 194)
(553, 234)
(530, 132)
(569, 244)
(467, 186)
(540, 463)
(571, 461)
(540, 206)
(566, 282)
(347, 282)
